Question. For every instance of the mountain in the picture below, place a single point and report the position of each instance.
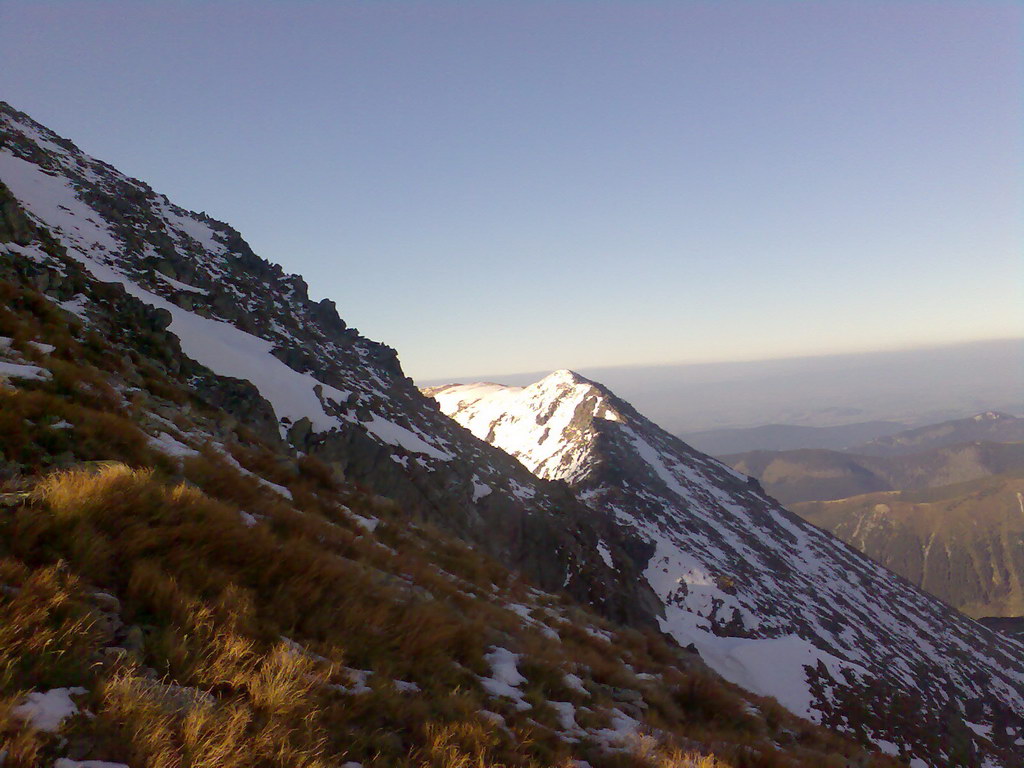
(817, 475)
(265, 537)
(787, 437)
(991, 426)
(769, 601)
(963, 543)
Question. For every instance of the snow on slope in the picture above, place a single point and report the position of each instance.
(770, 602)
(54, 201)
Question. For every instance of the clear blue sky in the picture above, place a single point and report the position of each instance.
(497, 187)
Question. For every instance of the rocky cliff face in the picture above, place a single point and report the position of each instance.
(769, 601)
(616, 512)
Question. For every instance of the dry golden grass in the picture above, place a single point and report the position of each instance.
(46, 630)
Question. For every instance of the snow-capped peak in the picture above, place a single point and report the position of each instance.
(547, 425)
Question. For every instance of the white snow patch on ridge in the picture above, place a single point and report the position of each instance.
(20, 371)
(522, 422)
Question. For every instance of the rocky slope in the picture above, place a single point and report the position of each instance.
(623, 517)
(820, 475)
(769, 601)
(962, 543)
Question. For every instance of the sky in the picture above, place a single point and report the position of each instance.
(521, 186)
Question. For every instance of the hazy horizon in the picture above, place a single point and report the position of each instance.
(915, 386)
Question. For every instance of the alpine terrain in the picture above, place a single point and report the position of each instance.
(234, 533)
(769, 601)
(937, 504)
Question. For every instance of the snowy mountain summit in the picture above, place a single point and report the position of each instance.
(543, 425)
(770, 602)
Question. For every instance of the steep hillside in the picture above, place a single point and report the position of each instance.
(817, 475)
(962, 543)
(143, 333)
(769, 601)
(991, 426)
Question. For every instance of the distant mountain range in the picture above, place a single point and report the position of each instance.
(819, 475)
(991, 425)
(874, 438)
(963, 543)
(939, 504)
(788, 437)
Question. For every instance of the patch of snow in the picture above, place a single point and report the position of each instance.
(368, 524)
(575, 682)
(75, 306)
(480, 489)
(985, 731)
(566, 713)
(48, 710)
(165, 443)
(261, 480)
(887, 747)
(248, 520)
(180, 286)
(620, 733)
(357, 682)
(505, 678)
(494, 717)
(602, 550)
(395, 434)
(39, 346)
(19, 371)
